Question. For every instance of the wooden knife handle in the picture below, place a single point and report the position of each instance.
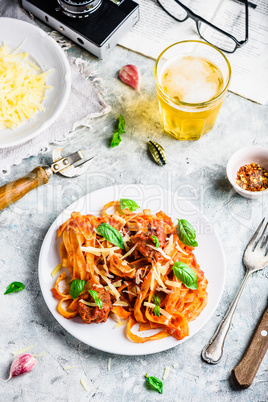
(245, 370)
(15, 190)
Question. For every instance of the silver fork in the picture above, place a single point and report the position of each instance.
(255, 258)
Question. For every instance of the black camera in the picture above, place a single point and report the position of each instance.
(96, 25)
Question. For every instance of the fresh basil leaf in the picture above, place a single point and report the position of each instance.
(76, 286)
(130, 204)
(155, 384)
(111, 234)
(116, 139)
(156, 241)
(157, 311)
(120, 130)
(186, 233)
(96, 298)
(121, 124)
(185, 274)
(14, 287)
(156, 300)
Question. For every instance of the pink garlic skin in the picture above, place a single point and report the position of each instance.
(22, 364)
(131, 76)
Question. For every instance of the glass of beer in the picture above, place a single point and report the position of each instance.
(191, 78)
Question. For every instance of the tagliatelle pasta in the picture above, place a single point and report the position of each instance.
(131, 275)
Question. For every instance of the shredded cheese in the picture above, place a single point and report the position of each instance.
(102, 272)
(126, 238)
(152, 281)
(120, 303)
(116, 284)
(180, 249)
(160, 250)
(166, 373)
(109, 364)
(119, 219)
(129, 292)
(129, 252)
(88, 303)
(173, 284)
(169, 245)
(84, 384)
(157, 277)
(159, 289)
(99, 251)
(55, 270)
(162, 311)
(111, 286)
(23, 87)
(163, 268)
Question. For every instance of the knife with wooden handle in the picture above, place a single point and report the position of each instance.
(245, 371)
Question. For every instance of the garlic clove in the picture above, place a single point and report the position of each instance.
(22, 364)
(131, 76)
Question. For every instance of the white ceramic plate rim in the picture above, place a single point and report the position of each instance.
(103, 336)
(12, 25)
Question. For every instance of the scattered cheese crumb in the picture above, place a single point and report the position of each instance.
(120, 323)
(19, 352)
(84, 384)
(55, 270)
(175, 365)
(69, 367)
(166, 373)
(109, 364)
(41, 355)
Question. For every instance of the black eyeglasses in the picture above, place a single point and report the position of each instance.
(209, 32)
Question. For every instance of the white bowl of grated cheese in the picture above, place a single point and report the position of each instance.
(34, 50)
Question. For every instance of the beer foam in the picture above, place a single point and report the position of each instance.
(191, 79)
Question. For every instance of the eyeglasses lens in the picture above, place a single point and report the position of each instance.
(174, 9)
(216, 38)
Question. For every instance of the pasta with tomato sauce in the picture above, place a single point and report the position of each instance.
(132, 264)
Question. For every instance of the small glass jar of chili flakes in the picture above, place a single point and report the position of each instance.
(252, 177)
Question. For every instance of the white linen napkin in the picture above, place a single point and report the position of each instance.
(85, 102)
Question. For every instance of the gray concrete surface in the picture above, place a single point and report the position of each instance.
(197, 169)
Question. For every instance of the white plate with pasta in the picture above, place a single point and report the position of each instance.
(109, 336)
(31, 102)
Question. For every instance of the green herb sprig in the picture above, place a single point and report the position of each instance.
(111, 234)
(185, 274)
(127, 203)
(155, 384)
(156, 241)
(117, 133)
(14, 287)
(96, 298)
(186, 233)
(156, 301)
(76, 286)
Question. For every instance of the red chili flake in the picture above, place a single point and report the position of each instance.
(252, 177)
